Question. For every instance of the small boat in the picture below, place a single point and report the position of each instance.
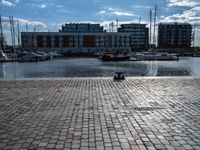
(45, 55)
(30, 57)
(196, 54)
(56, 54)
(156, 56)
(115, 57)
(3, 55)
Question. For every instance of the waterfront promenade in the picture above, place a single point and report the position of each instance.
(97, 113)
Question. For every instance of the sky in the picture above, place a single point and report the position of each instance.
(49, 15)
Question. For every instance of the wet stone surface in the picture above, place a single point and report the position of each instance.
(97, 113)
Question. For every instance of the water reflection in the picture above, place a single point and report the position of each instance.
(92, 67)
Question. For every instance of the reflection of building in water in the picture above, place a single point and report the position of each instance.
(85, 38)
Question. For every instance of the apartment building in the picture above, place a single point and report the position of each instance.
(174, 35)
(87, 38)
(139, 35)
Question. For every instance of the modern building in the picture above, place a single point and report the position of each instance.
(76, 42)
(82, 28)
(139, 34)
(174, 35)
(87, 38)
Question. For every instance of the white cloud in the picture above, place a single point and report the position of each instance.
(115, 11)
(183, 3)
(102, 12)
(27, 21)
(7, 3)
(39, 5)
(42, 6)
(191, 16)
(141, 7)
(118, 13)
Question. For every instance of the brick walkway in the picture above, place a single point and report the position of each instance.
(139, 113)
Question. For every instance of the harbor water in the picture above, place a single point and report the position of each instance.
(93, 67)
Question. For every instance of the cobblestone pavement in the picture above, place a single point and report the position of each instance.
(97, 113)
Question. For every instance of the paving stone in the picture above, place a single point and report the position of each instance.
(97, 113)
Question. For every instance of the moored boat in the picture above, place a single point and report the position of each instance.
(31, 57)
(155, 56)
(115, 57)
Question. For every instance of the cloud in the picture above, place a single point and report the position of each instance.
(120, 13)
(7, 3)
(141, 7)
(61, 10)
(191, 16)
(183, 3)
(17, 1)
(27, 21)
(102, 12)
(115, 11)
(42, 6)
(39, 5)
(32, 22)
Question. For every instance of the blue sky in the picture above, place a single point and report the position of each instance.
(51, 14)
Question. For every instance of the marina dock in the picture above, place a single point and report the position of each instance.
(97, 113)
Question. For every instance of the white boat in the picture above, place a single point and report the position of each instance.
(56, 54)
(30, 57)
(44, 55)
(155, 56)
(3, 55)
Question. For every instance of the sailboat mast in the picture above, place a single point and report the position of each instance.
(13, 26)
(1, 30)
(117, 25)
(11, 31)
(138, 34)
(150, 29)
(193, 36)
(154, 29)
(18, 33)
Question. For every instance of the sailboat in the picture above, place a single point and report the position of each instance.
(3, 56)
(152, 54)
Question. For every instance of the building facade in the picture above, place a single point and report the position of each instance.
(139, 34)
(87, 38)
(81, 28)
(174, 35)
(76, 42)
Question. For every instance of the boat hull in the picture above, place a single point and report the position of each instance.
(105, 58)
